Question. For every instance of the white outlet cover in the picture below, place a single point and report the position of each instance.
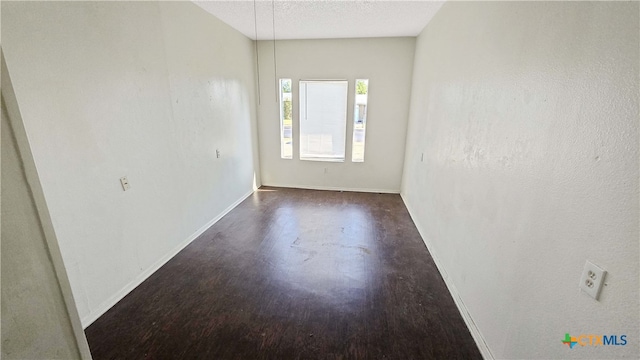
(592, 279)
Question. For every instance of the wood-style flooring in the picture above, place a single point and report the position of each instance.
(293, 274)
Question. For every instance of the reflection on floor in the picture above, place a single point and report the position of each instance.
(293, 274)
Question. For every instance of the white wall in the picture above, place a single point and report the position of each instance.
(39, 317)
(527, 115)
(387, 63)
(146, 90)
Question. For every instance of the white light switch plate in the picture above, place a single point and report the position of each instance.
(592, 279)
(125, 183)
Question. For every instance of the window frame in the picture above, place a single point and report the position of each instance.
(359, 121)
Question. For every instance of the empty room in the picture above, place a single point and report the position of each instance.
(279, 179)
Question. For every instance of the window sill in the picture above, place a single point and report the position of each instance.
(321, 159)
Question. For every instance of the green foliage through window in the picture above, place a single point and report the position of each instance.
(287, 110)
(286, 86)
(361, 87)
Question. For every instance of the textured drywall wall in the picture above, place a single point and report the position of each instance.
(35, 321)
(527, 116)
(387, 63)
(137, 89)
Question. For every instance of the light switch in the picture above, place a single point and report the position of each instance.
(125, 183)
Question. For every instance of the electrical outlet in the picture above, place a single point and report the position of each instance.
(125, 183)
(217, 153)
(592, 279)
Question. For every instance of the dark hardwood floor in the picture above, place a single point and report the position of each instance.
(293, 274)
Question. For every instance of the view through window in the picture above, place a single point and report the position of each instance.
(286, 122)
(359, 120)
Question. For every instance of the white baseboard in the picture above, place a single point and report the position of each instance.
(109, 303)
(333, 188)
(462, 308)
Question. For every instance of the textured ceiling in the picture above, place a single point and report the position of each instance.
(324, 19)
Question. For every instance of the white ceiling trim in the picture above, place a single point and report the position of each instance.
(327, 19)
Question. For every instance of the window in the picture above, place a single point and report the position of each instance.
(286, 122)
(360, 120)
(323, 119)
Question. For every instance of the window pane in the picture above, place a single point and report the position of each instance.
(286, 122)
(360, 120)
(323, 120)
